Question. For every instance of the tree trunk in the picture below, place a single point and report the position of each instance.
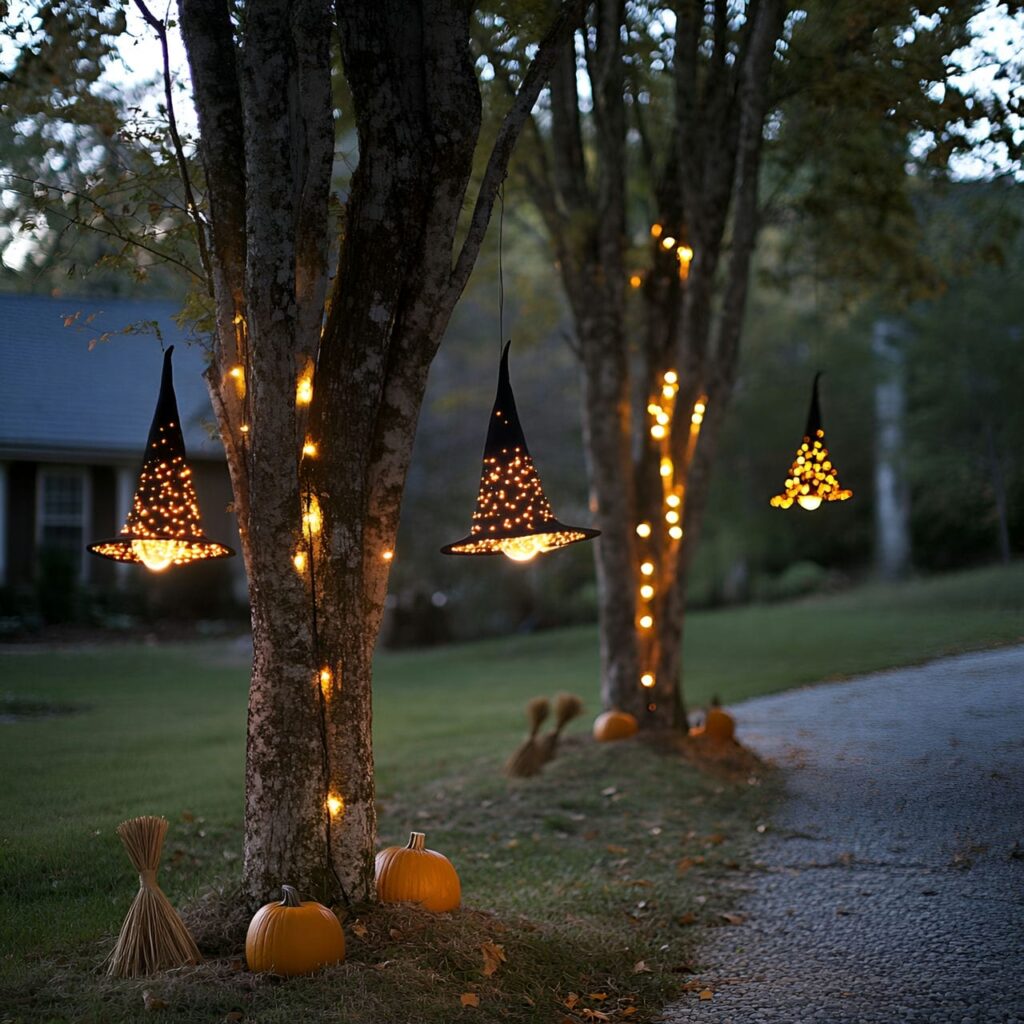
(318, 416)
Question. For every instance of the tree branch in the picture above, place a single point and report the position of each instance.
(568, 18)
(179, 152)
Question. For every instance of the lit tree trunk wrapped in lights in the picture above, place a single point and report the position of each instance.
(318, 394)
(652, 413)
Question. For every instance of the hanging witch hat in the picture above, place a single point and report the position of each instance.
(813, 478)
(513, 516)
(163, 526)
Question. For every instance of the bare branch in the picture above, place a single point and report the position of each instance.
(179, 152)
(569, 16)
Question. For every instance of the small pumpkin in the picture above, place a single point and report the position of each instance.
(614, 725)
(293, 937)
(719, 725)
(414, 874)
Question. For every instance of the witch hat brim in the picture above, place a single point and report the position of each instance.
(163, 525)
(511, 503)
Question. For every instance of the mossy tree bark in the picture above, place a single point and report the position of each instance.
(360, 335)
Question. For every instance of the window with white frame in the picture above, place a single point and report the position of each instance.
(63, 510)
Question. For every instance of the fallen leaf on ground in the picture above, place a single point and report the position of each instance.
(570, 1000)
(640, 967)
(359, 929)
(687, 919)
(598, 997)
(589, 1014)
(469, 999)
(628, 1011)
(693, 986)
(494, 957)
(716, 839)
(733, 918)
(707, 994)
(395, 934)
(152, 1002)
(613, 848)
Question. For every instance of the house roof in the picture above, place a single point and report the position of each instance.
(59, 397)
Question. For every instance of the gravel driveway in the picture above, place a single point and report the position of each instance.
(893, 888)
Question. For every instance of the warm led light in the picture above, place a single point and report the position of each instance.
(673, 501)
(808, 501)
(643, 529)
(520, 549)
(237, 372)
(654, 409)
(646, 621)
(666, 467)
(244, 428)
(309, 449)
(299, 561)
(157, 555)
(667, 242)
(635, 281)
(388, 555)
(697, 419)
(663, 418)
(335, 805)
(647, 591)
(700, 407)
(304, 390)
(656, 230)
(676, 532)
(672, 516)
(668, 390)
(671, 377)
(647, 568)
(326, 678)
(311, 519)
(658, 432)
(647, 679)
(685, 253)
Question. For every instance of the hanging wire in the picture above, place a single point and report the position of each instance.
(501, 274)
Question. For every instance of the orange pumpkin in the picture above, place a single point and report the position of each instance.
(719, 725)
(414, 874)
(614, 725)
(293, 937)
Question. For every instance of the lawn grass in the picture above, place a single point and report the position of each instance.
(162, 731)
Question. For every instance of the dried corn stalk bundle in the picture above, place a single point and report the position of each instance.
(153, 937)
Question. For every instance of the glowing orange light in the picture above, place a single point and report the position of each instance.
(311, 518)
(304, 390)
(672, 516)
(299, 561)
(666, 467)
(237, 372)
(309, 449)
(647, 679)
(656, 230)
(335, 804)
(643, 529)
(647, 568)
(673, 501)
(671, 377)
(658, 432)
(647, 591)
(388, 555)
(676, 532)
(326, 678)
(635, 281)
(646, 621)
(667, 242)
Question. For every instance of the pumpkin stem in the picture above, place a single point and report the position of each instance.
(291, 896)
(417, 841)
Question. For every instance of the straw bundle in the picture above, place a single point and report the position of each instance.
(152, 937)
(527, 758)
(567, 707)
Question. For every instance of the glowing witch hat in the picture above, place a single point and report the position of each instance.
(163, 526)
(513, 516)
(812, 477)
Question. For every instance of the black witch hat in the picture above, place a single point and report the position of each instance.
(513, 516)
(163, 526)
(813, 477)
